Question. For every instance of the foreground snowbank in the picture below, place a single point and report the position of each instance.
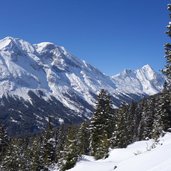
(139, 156)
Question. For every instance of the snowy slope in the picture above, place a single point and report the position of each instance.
(51, 68)
(139, 156)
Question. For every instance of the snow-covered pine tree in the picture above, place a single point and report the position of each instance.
(162, 117)
(131, 122)
(4, 142)
(103, 146)
(140, 119)
(160, 111)
(166, 116)
(61, 138)
(37, 154)
(167, 69)
(82, 138)
(100, 125)
(70, 154)
(120, 135)
(163, 112)
(49, 144)
(147, 118)
(14, 158)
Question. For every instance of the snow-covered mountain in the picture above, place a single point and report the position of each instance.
(49, 68)
(49, 72)
(144, 80)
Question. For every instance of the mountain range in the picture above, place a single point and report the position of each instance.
(38, 81)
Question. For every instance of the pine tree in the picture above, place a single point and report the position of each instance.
(147, 118)
(37, 154)
(131, 123)
(70, 154)
(166, 114)
(82, 138)
(162, 117)
(49, 145)
(167, 69)
(4, 142)
(14, 158)
(61, 138)
(163, 113)
(100, 125)
(120, 137)
(158, 124)
(103, 146)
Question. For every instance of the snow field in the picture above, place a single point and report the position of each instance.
(139, 156)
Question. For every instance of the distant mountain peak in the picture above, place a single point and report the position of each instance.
(144, 79)
(7, 42)
(147, 66)
(15, 44)
(45, 46)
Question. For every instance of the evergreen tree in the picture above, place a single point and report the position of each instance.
(166, 114)
(131, 122)
(61, 138)
(82, 138)
(120, 135)
(48, 146)
(162, 117)
(103, 146)
(70, 154)
(100, 125)
(167, 69)
(14, 158)
(138, 120)
(4, 142)
(147, 119)
(37, 154)
(163, 113)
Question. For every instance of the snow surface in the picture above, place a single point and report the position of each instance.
(139, 156)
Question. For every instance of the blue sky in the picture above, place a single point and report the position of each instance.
(109, 34)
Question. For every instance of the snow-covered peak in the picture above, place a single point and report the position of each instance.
(44, 46)
(147, 67)
(144, 79)
(148, 72)
(7, 42)
(15, 44)
(145, 71)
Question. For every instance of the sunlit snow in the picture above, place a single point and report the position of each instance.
(140, 156)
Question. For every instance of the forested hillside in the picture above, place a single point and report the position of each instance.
(115, 128)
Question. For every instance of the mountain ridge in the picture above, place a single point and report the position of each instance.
(144, 78)
(45, 71)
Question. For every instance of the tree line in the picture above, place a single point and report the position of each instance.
(108, 128)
